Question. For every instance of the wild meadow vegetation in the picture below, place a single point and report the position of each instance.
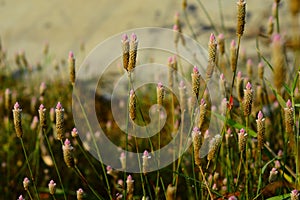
(254, 155)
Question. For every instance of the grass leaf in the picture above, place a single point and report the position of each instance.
(287, 89)
(295, 82)
(280, 197)
(235, 124)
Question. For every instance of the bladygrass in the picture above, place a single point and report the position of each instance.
(256, 153)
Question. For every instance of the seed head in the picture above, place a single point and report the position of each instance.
(133, 45)
(242, 138)
(273, 175)
(123, 160)
(221, 43)
(249, 66)
(80, 194)
(43, 88)
(289, 119)
(197, 142)
(260, 70)
(68, 153)
(71, 62)
(212, 52)
(160, 93)
(132, 105)
(7, 99)
(248, 97)
(60, 127)
(294, 195)
(130, 186)
(260, 124)
(233, 57)
(34, 123)
(52, 187)
(125, 49)
(21, 198)
(74, 133)
(171, 191)
(18, 120)
(146, 158)
(222, 85)
(270, 26)
(26, 183)
(195, 82)
(241, 15)
(278, 62)
(202, 111)
(42, 116)
(212, 48)
(213, 146)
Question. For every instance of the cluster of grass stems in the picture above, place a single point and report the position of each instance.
(256, 153)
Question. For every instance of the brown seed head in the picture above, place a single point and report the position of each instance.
(52, 187)
(241, 14)
(71, 62)
(132, 105)
(197, 142)
(59, 126)
(18, 120)
(125, 49)
(248, 97)
(260, 124)
(68, 153)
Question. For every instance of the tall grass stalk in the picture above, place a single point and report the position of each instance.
(95, 144)
(54, 162)
(29, 168)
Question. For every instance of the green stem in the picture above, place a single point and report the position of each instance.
(194, 175)
(55, 165)
(29, 194)
(246, 160)
(95, 144)
(86, 156)
(29, 168)
(78, 172)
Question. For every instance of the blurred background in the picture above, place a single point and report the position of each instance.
(71, 25)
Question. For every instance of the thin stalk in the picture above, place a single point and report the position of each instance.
(28, 192)
(95, 144)
(246, 160)
(157, 175)
(55, 165)
(260, 172)
(148, 187)
(140, 167)
(78, 172)
(29, 168)
(86, 156)
(53, 197)
(239, 169)
(205, 182)
(297, 140)
(194, 175)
